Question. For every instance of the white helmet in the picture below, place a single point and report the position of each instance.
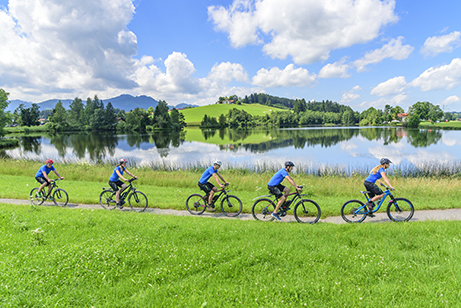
(217, 162)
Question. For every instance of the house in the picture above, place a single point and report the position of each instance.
(402, 116)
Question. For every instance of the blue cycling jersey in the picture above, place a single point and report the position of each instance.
(374, 177)
(278, 177)
(45, 169)
(114, 177)
(207, 174)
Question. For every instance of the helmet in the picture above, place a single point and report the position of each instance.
(122, 160)
(49, 161)
(217, 162)
(289, 164)
(385, 161)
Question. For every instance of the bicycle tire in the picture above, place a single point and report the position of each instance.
(353, 211)
(262, 209)
(137, 201)
(34, 199)
(107, 199)
(195, 204)
(400, 209)
(60, 197)
(231, 206)
(307, 211)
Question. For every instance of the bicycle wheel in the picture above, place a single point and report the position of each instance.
(231, 206)
(137, 201)
(36, 199)
(307, 211)
(195, 204)
(262, 210)
(400, 209)
(107, 199)
(60, 197)
(354, 211)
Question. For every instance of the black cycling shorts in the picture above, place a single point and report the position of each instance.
(276, 190)
(373, 189)
(207, 187)
(115, 185)
(42, 180)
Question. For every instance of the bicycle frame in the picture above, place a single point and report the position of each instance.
(53, 186)
(221, 192)
(386, 193)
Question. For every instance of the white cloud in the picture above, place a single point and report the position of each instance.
(178, 83)
(392, 86)
(451, 100)
(397, 100)
(306, 30)
(394, 50)
(335, 70)
(442, 77)
(438, 44)
(66, 46)
(350, 95)
(288, 77)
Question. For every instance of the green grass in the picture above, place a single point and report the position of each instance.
(60, 257)
(193, 116)
(170, 189)
(450, 124)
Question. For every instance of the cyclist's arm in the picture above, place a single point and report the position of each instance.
(289, 179)
(120, 175)
(217, 180)
(386, 180)
(62, 178)
(130, 173)
(46, 176)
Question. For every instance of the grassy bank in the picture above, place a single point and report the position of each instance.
(92, 258)
(169, 189)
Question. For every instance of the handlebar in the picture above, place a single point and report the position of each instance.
(387, 187)
(132, 179)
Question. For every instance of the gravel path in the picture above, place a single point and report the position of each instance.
(451, 214)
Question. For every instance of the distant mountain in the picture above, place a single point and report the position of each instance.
(125, 101)
(183, 105)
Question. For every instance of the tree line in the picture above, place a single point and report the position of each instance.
(93, 115)
(300, 112)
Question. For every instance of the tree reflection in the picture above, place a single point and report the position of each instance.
(31, 144)
(423, 137)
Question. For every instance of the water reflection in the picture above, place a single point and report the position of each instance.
(312, 147)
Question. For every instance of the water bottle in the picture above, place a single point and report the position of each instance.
(215, 198)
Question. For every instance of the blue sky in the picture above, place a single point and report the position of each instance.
(359, 53)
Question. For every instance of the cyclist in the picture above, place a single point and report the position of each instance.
(209, 188)
(280, 191)
(115, 183)
(375, 193)
(42, 176)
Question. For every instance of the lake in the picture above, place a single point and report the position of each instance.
(349, 149)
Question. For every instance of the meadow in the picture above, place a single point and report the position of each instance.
(193, 116)
(170, 188)
(59, 257)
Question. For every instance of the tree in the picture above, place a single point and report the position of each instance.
(110, 118)
(435, 113)
(420, 108)
(413, 121)
(76, 112)
(59, 117)
(3, 104)
(161, 116)
(29, 116)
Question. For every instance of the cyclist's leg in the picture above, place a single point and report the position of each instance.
(375, 194)
(42, 182)
(115, 187)
(282, 195)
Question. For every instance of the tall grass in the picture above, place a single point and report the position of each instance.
(82, 258)
(170, 189)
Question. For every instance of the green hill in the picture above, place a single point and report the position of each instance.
(194, 116)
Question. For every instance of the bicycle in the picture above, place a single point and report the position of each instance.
(305, 211)
(230, 205)
(136, 199)
(58, 196)
(398, 209)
